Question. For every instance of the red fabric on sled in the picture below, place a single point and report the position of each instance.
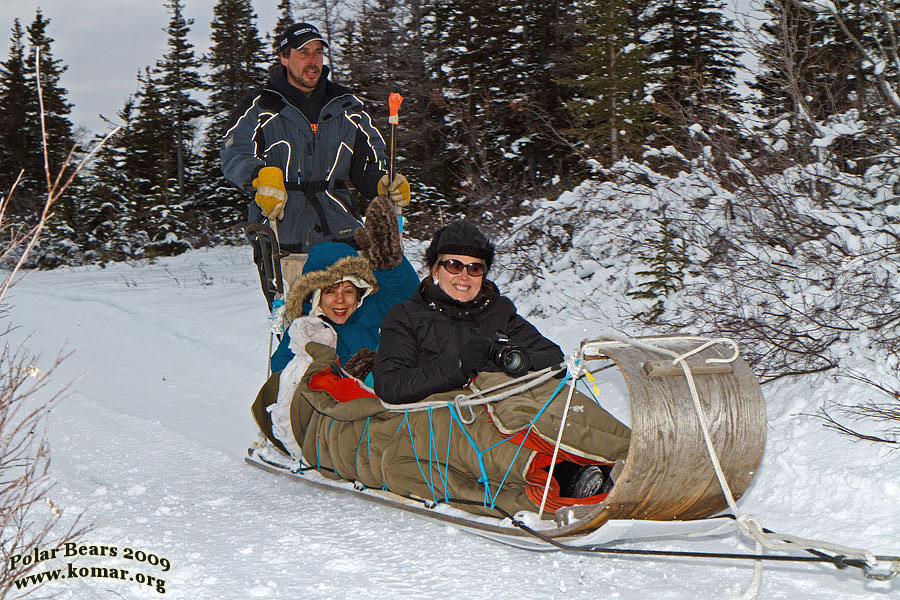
(342, 389)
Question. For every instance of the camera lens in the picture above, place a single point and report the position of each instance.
(514, 361)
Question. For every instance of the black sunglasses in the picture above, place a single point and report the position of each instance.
(455, 267)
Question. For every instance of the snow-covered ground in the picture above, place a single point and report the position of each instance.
(150, 443)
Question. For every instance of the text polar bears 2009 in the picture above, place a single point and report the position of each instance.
(26, 562)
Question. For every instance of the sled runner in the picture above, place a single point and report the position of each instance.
(495, 529)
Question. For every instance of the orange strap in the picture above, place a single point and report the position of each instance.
(536, 475)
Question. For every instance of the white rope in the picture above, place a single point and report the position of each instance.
(477, 397)
(574, 367)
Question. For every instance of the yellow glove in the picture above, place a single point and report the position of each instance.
(270, 192)
(398, 190)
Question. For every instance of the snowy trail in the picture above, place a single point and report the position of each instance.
(150, 445)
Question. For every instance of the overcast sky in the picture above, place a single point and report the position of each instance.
(105, 43)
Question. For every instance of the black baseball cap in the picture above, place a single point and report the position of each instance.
(298, 35)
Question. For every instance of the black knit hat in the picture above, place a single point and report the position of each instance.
(461, 238)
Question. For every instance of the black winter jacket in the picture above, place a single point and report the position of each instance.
(421, 339)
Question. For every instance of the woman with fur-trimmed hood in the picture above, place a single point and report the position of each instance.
(349, 293)
(339, 301)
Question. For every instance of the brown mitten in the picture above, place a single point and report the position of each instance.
(380, 239)
(360, 363)
(362, 239)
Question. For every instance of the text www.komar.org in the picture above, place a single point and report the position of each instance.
(71, 571)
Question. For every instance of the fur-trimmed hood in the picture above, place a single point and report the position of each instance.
(328, 263)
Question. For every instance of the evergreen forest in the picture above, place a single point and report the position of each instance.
(506, 102)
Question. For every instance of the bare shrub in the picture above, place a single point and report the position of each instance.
(29, 519)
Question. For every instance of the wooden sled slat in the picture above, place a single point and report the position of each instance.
(665, 368)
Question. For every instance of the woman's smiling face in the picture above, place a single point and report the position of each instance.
(459, 286)
(339, 301)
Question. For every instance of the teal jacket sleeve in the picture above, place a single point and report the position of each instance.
(283, 354)
(395, 285)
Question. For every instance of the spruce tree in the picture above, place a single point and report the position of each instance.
(61, 239)
(532, 60)
(20, 129)
(285, 20)
(483, 87)
(236, 64)
(14, 94)
(498, 70)
(384, 52)
(665, 254)
(548, 59)
(371, 58)
(418, 147)
(610, 81)
(693, 57)
(111, 197)
(156, 219)
(475, 54)
(375, 63)
(179, 80)
(56, 107)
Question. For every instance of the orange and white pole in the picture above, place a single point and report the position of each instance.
(394, 101)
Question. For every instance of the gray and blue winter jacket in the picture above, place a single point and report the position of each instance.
(322, 142)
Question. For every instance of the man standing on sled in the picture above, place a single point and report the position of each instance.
(297, 143)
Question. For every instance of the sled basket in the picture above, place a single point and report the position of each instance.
(668, 473)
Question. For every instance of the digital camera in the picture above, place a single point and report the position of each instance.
(514, 360)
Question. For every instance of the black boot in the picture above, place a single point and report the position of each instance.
(588, 481)
(581, 481)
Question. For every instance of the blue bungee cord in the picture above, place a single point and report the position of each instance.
(432, 451)
(433, 456)
(428, 481)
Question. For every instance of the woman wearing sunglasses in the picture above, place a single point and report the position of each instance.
(448, 332)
